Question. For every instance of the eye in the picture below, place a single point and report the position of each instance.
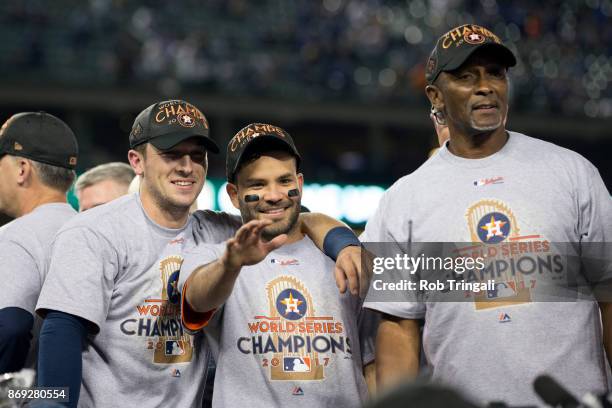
(498, 73)
(285, 180)
(198, 157)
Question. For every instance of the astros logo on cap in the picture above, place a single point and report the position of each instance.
(186, 120)
(474, 38)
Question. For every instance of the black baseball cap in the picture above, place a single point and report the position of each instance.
(456, 46)
(41, 137)
(165, 124)
(253, 135)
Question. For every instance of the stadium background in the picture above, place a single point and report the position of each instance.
(345, 78)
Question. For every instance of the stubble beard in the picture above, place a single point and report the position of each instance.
(271, 231)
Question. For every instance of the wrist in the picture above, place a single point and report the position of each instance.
(229, 265)
(337, 239)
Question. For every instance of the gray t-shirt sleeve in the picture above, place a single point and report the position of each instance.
(81, 276)
(368, 327)
(595, 228)
(192, 259)
(21, 279)
(214, 227)
(375, 230)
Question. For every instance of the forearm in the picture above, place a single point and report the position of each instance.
(15, 327)
(210, 285)
(317, 225)
(397, 351)
(62, 337)
(606, 320)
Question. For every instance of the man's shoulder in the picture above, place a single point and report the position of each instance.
(107, 217)
(214, 226)
(533, 149)
(210, 216)
(38, 225)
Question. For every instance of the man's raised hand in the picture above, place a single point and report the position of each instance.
(248, 247)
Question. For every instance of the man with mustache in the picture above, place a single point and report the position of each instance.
(491, 186)
(280, 331)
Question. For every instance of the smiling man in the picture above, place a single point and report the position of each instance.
(112, 314)
(281, 332)
(540, 192)
(110, 300)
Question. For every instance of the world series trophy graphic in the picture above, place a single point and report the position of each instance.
(292, 297)
(492, 223)
(171, 349)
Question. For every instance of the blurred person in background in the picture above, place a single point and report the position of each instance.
(102, 184)
(495, 183)
(38, 154)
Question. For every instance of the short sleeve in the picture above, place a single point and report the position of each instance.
(81, 276)
(20, 276)
(595, 229)
(368, 327)
(375, 229)
(214, 227)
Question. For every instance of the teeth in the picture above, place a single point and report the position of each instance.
(183, 183)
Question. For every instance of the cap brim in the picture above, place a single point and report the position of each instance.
(507, 56)
(170, 140)
(273, 140)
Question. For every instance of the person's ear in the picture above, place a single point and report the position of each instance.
(136, 160)
(232, 192)
(24, 169)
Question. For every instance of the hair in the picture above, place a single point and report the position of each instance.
(58, 178)
(141, 148)
(121, 173)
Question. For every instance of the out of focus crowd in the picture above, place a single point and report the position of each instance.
(362, 51)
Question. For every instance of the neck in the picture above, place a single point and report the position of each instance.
(476, 146)
(173, 218)
(31, 199)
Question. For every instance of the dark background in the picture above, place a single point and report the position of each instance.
(345, 78)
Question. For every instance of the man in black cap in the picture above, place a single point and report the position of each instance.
(38, 156)
(278, 315)
(114, 272)
(494, 188)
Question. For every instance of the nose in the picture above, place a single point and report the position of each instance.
(483, 86)
(274, 194)
(185, 164)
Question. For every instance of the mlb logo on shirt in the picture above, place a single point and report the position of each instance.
(175, 373)
(296, 364)
(501, 290)
(298, 391)
(174, 348)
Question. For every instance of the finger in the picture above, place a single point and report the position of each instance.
(275, 243)
(351, 276)
(340, 279)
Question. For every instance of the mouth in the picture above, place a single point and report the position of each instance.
(275, 212)
(485, 107)
(183, 184)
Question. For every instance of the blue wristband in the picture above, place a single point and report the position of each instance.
(337, 239)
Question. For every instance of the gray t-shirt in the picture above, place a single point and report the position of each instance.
(24, 250)
(535, 191)
(285, 336)
(113, 266)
